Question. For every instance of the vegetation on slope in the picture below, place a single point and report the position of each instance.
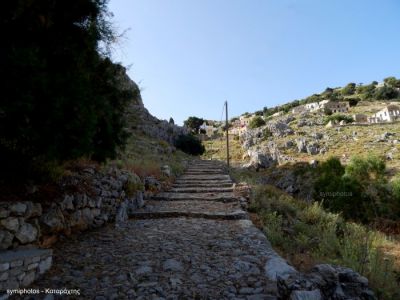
(353, 93)
(61, 96)
(359, 191)
(306, 234)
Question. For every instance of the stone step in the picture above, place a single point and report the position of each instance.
(239, 215)
(204, 177)
(203, 185)
(191, 209)
(201, 189)
(187, 172)
(199, 183)
(222, 197)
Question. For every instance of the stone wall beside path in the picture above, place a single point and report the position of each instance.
(90, 198)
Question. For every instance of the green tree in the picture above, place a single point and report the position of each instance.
(61, 98)
(194, 123)
(366, 91)
(386, 93)
(392, 82)
(256, 122)
(189, 144)
(349, 89)
(353, 101)
(171, 121)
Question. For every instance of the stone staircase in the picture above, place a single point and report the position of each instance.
(204, 191)
(193, 242)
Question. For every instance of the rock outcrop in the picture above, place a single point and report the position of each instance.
(140, 120)
(325, 282)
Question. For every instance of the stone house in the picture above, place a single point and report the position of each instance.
(209, 129)
(335, 106)
(360, 118)
(299, 109)
(313, 106)
(245, 120)
(388, 114)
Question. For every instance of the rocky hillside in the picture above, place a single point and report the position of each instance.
(141, 121)
(305, 137)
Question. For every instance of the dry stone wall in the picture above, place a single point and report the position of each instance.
(91, 198)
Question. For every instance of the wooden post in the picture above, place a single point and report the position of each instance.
(227, 133)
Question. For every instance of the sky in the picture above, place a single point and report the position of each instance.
(189, 56)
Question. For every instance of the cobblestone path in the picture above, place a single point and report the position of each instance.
(193, 242)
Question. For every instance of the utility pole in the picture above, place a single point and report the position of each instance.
(227, 133)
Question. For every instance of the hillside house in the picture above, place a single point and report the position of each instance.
(335, 106)
(236, 123)
(389, 114)
(299, 109)
(209, 129)
(360, 118)
(245, 120)
(312, 106)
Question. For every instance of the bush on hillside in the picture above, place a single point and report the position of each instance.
(396, 189)
(338, 118)
(194, 123)
(190, 144)
(386, 93)
(256, 122)
(349, 89)
(354, 101)
(359, 191)
(60, 96)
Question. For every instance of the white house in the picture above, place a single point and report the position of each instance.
(389, 114)
(312, 106)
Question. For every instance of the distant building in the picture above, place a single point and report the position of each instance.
(335, 106)
(389, 114)
(209, 130)
(312, 106)
(299, 109)
(245, 120)
(236, 123)
(360, 118)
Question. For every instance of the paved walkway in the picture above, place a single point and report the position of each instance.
(193, 242)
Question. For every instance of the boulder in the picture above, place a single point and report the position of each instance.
(11, 224)
(54, 219)
(68, 202)
(312, 149)
(301, 145)
(166, 171)
(259, 160)
(325, 282)
(26, 233)
(33, 210)
(151, 183)
(6, 239)
(18, 208)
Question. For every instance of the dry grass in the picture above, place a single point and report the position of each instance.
(216, 149)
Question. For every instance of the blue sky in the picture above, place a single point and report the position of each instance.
(189, 56)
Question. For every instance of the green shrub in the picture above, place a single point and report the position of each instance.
(359, 191)
(396, 188)
(338, 118)
(189, 144)
(296, 227)
(62, 98)
(256, 122)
